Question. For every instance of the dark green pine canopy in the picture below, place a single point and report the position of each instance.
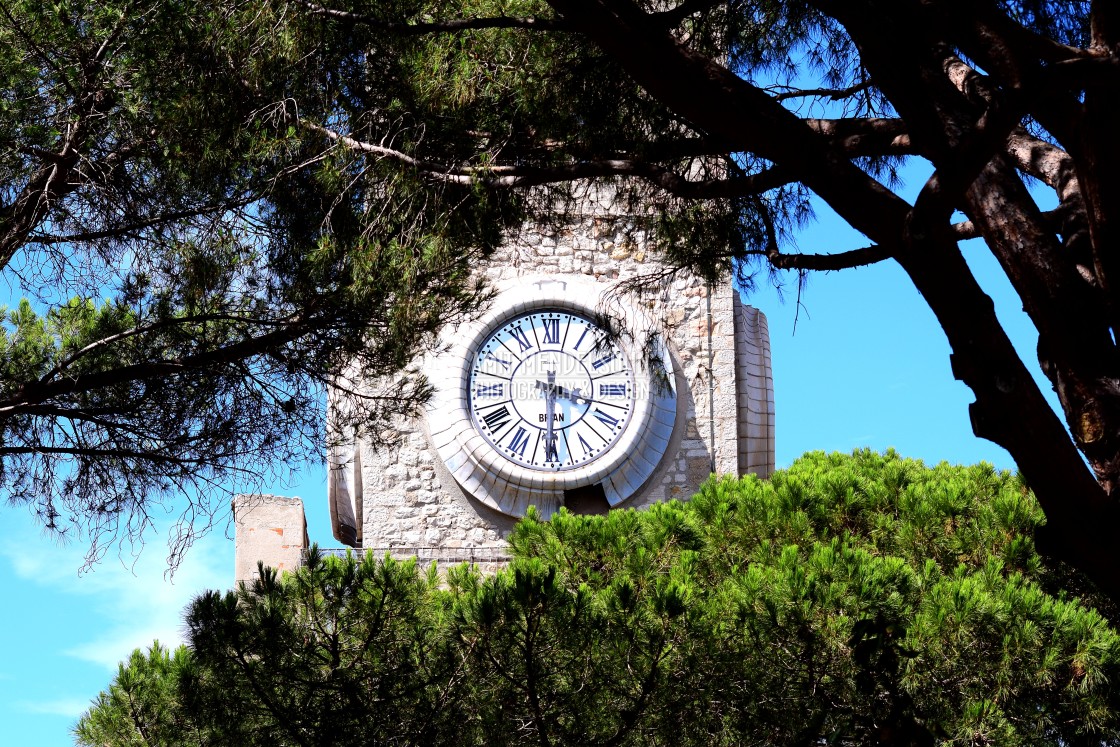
(859, 599)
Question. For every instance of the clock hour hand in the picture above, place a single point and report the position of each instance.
(573, 395)
(550, 453)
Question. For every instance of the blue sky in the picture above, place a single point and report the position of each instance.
(867, 366)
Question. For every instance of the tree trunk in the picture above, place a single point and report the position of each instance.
(1009, 409)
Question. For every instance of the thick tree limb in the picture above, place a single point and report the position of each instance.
(1082, 74)
(1009, 408)
(132, 229)
(1074, 341)
(864, 136)
(49, 183)
(32, 393)
(1104, 25)
(107, 453)
(176, 322)
(835, 94)
(450, 25)
(1017, 60)
(1047, 162)
(674, 16)
(868, 255)
(1008, 403)
(855, 137)
(56, 177)
(1023, 42)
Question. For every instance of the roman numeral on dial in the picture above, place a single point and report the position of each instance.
(579, 342)
(582, 442)
(551, 331)
(491, 390)
(607, 358)
(519, 441)
(497, 359)
(609, 420)
(522, 339)
(496, 419)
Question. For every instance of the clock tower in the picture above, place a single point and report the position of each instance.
(593, 382)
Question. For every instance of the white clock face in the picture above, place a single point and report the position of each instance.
(550, 390)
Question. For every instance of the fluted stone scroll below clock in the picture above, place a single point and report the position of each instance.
(557, 389)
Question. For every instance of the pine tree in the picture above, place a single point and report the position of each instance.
(852, 599)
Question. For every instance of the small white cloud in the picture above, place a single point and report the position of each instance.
(71, 708)
(146, 606)
(117, 643)
(125, 607)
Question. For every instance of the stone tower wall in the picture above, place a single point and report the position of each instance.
(404, 499)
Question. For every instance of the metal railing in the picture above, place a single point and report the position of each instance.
(425, 555)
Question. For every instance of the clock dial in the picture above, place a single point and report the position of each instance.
(550, 390)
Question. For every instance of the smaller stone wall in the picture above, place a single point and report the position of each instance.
(270, 529)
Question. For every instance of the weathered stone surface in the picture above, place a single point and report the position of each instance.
(270, 529)
(706, 335)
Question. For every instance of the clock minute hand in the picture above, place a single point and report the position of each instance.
(550, 416)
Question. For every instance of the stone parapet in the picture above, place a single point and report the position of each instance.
(487, 560)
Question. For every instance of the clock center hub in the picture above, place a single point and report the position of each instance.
(552, 386)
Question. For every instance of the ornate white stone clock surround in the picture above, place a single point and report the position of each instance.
(511, 488)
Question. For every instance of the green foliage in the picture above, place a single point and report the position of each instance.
(195, 265)
(852, 599)
(851, 596)
(353, 650)
(141, 708)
